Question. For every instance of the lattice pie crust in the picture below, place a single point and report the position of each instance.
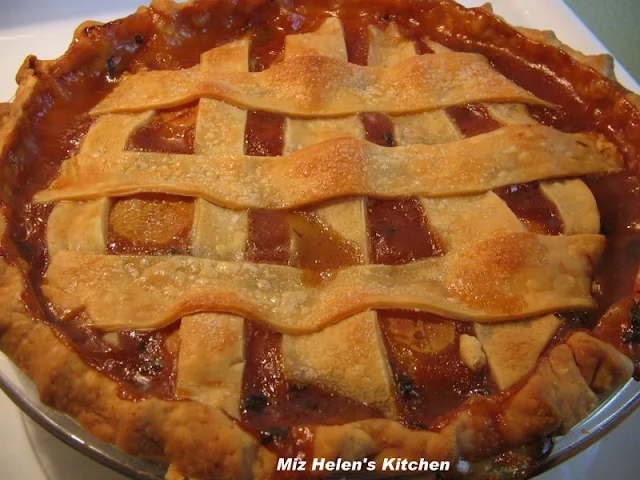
(494, 272)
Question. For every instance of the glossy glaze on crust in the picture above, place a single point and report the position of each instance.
(157, 423)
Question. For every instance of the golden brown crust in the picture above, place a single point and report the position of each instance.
(601, 364)
(341, 167)
(602, 63)
(150, 428)
(507, 277)
(319, 86)
(211, 360)
(5, 111)
(514, 348)
(555, 397)
(12, 113)
(202, 442)
(348, 358)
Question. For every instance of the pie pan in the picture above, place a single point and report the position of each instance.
(609, 414)
(613, 411)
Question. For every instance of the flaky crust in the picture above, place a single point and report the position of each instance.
(340, 168)
(202, 442)
(547, 274)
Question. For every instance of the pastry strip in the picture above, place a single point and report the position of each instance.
(220, 233)
(111, 132)
(512, 348)
(576, 205)
(211, 359)
(348, 358)
(301, 133)
(84, 226)
(328, 41)
(431, 128)
(347, 216)
(459, 221)
(79, 226)
(319, 86)
(387, 47)
(510, 113)
(220, 126)
(342, 167)
(503, 278)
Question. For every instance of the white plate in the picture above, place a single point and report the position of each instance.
(44, 28)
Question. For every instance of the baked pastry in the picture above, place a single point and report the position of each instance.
(241, 236)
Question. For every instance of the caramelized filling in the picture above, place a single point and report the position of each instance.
(421, 46)
(472, 119)
(264, 134)
(520, 462)
(144, 363)
(378, 129)
(294, 443)
(266, 380)
(617, 316)
(268, 237)
(356, 38)
(318, 246)
(269, 399)
(31, 243)
(264, 131)
(58, 120)
(150, 224)
(618, 198)
(533, 209)
(558, 119)
(399, 232)
(424, 353)
(423, 349)
(267, 45)
(169, 131)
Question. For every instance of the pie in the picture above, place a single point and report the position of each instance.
(240, 232)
